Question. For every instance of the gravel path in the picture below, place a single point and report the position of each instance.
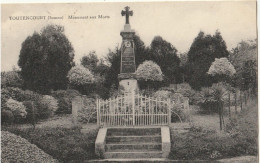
(17, 149)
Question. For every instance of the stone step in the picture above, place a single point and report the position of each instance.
(132, 139)
(134, 147)
(133, 131)
(144, 154)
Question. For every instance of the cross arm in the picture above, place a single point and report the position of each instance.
(123, 13)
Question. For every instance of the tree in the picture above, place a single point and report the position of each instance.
(220, 95)
(90, 61)
(224, 70)
(165, 55)
(141, 52)
(149, 72)
(183, 67)
(221, 67)
(45, 59)
(244, 59)
(203, 51)
(11, 79)
(80, 78)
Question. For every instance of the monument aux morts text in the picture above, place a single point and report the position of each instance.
(127, 76)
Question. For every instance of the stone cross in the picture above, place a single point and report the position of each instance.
(127, 13)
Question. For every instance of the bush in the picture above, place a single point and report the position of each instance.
(11, 92)
(181, 113)
(18, 94)
(64, 144)
(162, 94)
(186, 90)
(11, 79)
(51, 102)
(7, 116)
(17, 108)
(88, 112)
(64, 98)
(32, 112)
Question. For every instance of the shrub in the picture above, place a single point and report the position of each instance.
(162, 94)
(186, 90)
(88, 112)
(182, 114)
(7, 116)
(80, 76)
(43, 110)
(17, 108)
(11, 92)
(64, 98)
(201, 144)
(18, 94)
(51, 102)
(11, 79)
(32, 112)
(64, 144)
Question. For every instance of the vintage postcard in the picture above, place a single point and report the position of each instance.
(129, 81)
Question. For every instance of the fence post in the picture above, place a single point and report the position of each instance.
(133, 106)
(97, 103)
(169, 111)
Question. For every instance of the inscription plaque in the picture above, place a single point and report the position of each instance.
(128, 60)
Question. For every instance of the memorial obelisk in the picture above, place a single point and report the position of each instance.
(127, 76)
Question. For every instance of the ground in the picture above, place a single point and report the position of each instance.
(208, 122)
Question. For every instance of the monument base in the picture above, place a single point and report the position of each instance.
(129, 85)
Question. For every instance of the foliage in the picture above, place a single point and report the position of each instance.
(114, 60)
(6, 116)
(90, 61)
(203, 51)
(64, 98)
(32, 112)
(244, 128)
(244, 59)
(162, 94)
(50, 102)
(45, 59)
(11, 79)
(64, 144)
(88, 112)
(221, 66)
(186, 90)
(17, 108)
(80, 76)
(149, 71)
(182, 114)
(165, 55)
(201, 144)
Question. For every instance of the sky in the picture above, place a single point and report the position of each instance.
(177, 22)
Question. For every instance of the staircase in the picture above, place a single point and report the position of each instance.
(134, 143)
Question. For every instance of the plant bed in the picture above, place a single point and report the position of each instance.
(199, 144)
(63, 144)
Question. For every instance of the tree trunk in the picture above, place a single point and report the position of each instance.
(236, 101)
(241, 101)
(245, 94)
(33, 115)
(229, 107)
(220, 117)
(222, 114)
